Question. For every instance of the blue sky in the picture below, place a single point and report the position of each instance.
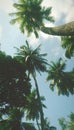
(10, 36)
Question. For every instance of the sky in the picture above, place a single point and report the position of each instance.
(10, 37)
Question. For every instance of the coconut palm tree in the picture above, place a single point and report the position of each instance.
(30, 15)
(34, 63)
(63, 81)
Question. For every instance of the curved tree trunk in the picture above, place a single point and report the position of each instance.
(41, 110)
(63, 30)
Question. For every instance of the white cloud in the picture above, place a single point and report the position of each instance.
(6, 5)
(60, 7)
(33, 40)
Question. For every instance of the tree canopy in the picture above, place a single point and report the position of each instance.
(60, 79)
(67, 124)
(14, 85)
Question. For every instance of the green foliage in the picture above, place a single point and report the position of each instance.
(33, 106)
(4, 125)
(47, 125)
(29, 126)
(14, 84)
(13, 121)
(71, 122)
(68, 44)
(30, 15)
(32, 58)
(63, 81)
(67, 124)
(62, 123)
(15, 111)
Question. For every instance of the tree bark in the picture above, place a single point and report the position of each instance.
(41, 110)
(62, 30)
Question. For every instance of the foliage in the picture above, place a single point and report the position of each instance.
(67, 124)
(33, 107)
(68, 44)
(14, 87)
(62, 123)
(63, 81)
(30, 15)
(13, 120)
(28, 126)
(71, 122)
(34, 61)
(5, 125)
(47, 125)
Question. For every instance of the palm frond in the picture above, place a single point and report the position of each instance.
(34, 61)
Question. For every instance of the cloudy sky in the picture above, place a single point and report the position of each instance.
(10, 36)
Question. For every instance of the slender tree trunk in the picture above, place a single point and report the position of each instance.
(38, 124)
(63, 30)
(41, 110)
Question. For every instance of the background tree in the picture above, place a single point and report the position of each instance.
(68, 44)
(62, 80)
(47, 125)
(14, 88)
(67, 124)
(63, 124)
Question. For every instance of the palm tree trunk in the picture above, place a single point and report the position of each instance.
(38, 124)
(41, 110)
(63, 30)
